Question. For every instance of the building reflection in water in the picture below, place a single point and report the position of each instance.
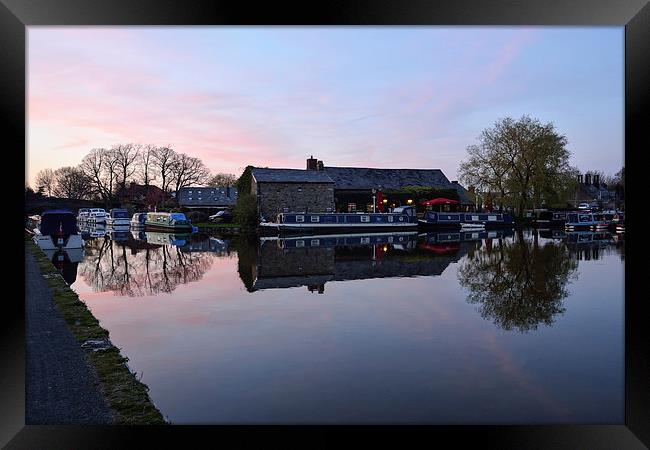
(312, 261)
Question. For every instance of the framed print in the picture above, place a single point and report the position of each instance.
(362, 216)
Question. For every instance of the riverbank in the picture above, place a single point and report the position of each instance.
(94, 385)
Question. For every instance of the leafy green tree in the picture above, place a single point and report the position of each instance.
(523, 163)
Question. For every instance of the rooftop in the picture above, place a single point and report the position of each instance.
(266, 175)
(367, 178)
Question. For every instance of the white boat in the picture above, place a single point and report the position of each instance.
(117, 217)
(82, 214)
(57, 230)
(96, 215)
(138, 219)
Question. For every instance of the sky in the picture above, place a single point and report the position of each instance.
(392, 97)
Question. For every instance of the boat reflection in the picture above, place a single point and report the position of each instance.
(135, 267)
(66, 261)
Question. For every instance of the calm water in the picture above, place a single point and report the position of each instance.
(436, 328)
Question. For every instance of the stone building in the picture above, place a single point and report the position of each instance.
(284, 190)
(322, 188)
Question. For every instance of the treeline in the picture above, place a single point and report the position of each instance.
(104, 174)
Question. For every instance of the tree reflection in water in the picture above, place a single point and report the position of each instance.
(517, 282)
(136, 268)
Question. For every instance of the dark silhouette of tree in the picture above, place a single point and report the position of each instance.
(518, 283)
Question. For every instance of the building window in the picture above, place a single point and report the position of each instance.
(300, 218)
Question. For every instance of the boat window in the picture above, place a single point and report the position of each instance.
(390, 218)
(315, 218)
(365, 218)
(300, 218)
(492, 218)
(315, 242)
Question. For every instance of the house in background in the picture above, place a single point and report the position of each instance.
(207, 199)
(149, 196)
(591, 190)
(321, 188)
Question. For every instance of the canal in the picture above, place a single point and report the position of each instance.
(471, 328)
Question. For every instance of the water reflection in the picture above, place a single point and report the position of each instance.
(66, 262)
(312, 261)
(519, 283)
(136, 267)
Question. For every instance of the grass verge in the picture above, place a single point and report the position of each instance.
(124, 393)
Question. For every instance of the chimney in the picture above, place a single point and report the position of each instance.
(596, 180)
(312, 163)
(580, 178)
(319, 165)
(587, 178)
(227, 191)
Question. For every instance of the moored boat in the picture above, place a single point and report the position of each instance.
(96, 215)
(138, 220)
(577, 221)
(57, 229)
(465, 220)
(118, 216)
(399, 219)
(551, 218)
(168, 222)
(82, 214)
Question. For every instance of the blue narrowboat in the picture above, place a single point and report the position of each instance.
(576, 221)
(401, 218)
(551, 218)
(337, 240)
(455, 220)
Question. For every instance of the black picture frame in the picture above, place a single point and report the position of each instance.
(634, 15)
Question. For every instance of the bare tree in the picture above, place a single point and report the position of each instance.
(126, 156)
(146, 165)
(71, 182)
(45, 180)
(188, 171)
(99, 166)
(222, 180)
(163, 159)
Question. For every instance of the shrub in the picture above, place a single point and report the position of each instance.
(245, 213)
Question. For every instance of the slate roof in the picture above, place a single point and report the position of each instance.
(207, 196)
(265, 175)
(368, 178)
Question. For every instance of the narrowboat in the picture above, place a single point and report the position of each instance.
(465, 220)
(138, 220)
(57, 229)
(96, 215)
(551, 218)
(168, 222)
(576, 221)
(400, 218)
(118, 216)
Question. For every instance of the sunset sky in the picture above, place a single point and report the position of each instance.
(351, 96)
